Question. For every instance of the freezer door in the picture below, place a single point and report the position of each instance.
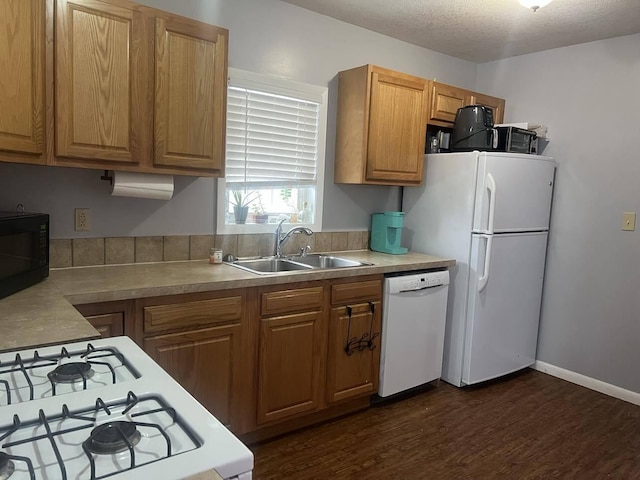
(503, 307)
(513, 193)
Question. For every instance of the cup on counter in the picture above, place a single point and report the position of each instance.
(215, 256)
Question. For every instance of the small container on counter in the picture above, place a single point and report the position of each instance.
(215, 256)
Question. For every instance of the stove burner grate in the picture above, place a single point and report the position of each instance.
(91, 356)
(6, 466)
(113, 437)
(71, 372)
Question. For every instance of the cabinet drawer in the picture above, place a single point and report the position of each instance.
(290, 301)
(356, 292)
(192, 314)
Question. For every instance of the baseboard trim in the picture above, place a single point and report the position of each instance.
(588, 382)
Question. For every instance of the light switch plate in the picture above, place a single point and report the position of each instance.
(629, 221)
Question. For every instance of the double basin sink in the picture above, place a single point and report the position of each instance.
(295, 263)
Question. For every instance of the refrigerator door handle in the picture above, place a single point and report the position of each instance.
(482, 281)
(491, 187)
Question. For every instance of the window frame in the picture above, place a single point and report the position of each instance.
(291, 88)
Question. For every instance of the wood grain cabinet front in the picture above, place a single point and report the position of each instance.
(22, 82)
(354, 351)
(381, 127)
(110, 319)
(102, 76)
(205, 362)
(290, 365)
(446, 100)
(190, 94)
(138, 89)
(497, 104)
(204, 341)
(292, 351)
(353, 361)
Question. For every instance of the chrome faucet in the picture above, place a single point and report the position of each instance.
(280, 238)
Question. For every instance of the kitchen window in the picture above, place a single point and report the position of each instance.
(275, 154)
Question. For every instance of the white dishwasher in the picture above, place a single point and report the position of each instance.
(413, 321)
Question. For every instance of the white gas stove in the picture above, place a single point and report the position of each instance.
(104, 409)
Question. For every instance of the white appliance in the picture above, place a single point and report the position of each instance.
(413, 323)
(490, 212)
(105, 409)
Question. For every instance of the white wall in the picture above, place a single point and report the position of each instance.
(269, 37)
(589, 95)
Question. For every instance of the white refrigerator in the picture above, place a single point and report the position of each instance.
(490, 212)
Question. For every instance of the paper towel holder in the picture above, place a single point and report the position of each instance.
(107, 177)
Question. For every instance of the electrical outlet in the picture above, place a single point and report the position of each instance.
(629, 221)
(83, 220)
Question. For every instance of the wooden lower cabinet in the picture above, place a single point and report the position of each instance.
(110, 319)
(353, 361)
(108, 325)
(204, 362)
(303, 368)
(204, 342)
(263, 360)
(291, 351)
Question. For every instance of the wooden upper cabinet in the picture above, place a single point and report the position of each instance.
(190, 94)
(496, 103)
(138, 89)
(100, 79)
(397, 125)
(381, 127)
(22, 60)
(446, 100)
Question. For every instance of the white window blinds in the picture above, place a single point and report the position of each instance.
(272, 140)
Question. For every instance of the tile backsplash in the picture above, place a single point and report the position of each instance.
(79, 252)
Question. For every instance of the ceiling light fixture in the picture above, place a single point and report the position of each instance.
(535, 4)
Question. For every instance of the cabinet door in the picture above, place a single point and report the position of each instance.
(397, 128)
(22, 80)
(108, 324)
(446, 102)
(102, 82)
(496, 103)
(356, 374)
(190, 94)
(291, 350)
(204, 362)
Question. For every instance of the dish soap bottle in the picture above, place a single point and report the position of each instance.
(305, 214)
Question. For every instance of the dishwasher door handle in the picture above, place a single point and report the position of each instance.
(419, 291)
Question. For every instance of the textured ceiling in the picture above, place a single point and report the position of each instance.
(485, 30)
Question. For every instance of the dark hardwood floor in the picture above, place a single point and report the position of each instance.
(530, 426)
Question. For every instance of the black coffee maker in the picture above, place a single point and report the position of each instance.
(473, 129)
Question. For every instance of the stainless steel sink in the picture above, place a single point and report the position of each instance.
(266, 265)
(269, 265)
(327, 261)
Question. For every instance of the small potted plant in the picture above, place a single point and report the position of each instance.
(241, 201)
(258, 211)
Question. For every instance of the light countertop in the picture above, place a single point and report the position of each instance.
(44, 314)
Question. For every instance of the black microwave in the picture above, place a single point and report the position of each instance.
(24, 250)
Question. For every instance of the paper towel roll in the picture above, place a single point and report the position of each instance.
(142, 185)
